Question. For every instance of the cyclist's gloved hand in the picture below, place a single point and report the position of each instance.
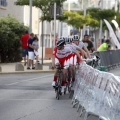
(53, 68)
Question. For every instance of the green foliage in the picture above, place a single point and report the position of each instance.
(10, 32)
(118, 18)
(77, 20)
(44, 5)
(99, 14)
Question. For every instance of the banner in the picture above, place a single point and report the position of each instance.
(114, 39)
(117, 28)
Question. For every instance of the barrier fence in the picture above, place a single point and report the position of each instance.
(110, 58)
(96, 93)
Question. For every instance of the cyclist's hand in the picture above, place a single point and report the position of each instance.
(53, 65)
(52, 68)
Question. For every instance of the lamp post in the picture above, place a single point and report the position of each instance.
(100, 34)
(30, 16)
(54, 24)
(84, 8)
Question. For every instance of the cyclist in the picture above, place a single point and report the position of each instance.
(59, 58)
(75, 50)
(81, 45)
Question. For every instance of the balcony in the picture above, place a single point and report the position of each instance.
(3, 4)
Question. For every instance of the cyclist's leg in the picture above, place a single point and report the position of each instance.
(74, 67)
(70, 69)
(55, 74)
(64, 72)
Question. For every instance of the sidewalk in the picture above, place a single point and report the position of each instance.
(10, 67)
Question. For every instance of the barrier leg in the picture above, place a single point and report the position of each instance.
(82, 110)
(87, 114)
(78, 107)
(75, 103)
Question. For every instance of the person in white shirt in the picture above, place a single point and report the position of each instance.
(36, 46)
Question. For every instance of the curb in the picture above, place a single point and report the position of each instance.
(23, 72)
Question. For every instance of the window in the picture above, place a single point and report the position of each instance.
(3, 3)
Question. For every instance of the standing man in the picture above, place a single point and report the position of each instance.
(24, 41)
(31, 49)
(88, 43)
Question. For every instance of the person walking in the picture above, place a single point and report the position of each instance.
(31, 49)
(24, 41)
(36, 46)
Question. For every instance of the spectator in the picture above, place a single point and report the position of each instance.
(24, 41)
(36, 46)
(88, 43)
(105, 46)
(31, 49)
(103, 40)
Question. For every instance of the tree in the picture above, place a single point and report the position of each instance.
(77, 20)
(99, 14)
(44, 5)
(118, 18)
(10, 32)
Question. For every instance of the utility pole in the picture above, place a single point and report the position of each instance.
(101, 22)
(84, 8)
(68, 18)
(30, 16)
(54, 25)
(42, 42)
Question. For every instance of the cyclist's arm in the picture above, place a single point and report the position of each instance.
(88, 53)
(82, 51)
(77, 53)
(53, 61)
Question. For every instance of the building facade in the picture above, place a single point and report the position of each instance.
(21, 13)
(3, 4)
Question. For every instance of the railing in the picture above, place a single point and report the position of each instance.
(97, 93)
(110, 58)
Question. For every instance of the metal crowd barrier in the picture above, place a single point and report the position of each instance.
(110, 59)
(96, 93)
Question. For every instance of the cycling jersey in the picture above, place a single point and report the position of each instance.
(81, 44)
(61, 53)
(72, 46)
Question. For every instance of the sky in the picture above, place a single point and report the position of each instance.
(72, 0)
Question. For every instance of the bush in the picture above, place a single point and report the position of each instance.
(10, 32)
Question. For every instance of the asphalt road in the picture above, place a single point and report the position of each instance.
(31, 97)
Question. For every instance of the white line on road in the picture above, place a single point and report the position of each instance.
(34, 99)
(29, 79)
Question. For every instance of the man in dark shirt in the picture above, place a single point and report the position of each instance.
(31, 51)
(88, 43)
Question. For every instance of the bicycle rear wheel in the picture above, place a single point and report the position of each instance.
(58, 93)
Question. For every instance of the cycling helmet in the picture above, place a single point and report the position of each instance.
(68, 40)
(71, 39)
(62, 37)
(60, 42)
(75, 37)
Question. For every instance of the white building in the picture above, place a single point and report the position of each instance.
(21, 13)
(105, 4)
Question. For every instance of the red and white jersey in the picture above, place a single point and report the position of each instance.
(81, 44)
(61, 53)
(72, 46)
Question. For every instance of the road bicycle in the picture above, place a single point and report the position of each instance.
(94, 61)
(58, 83)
